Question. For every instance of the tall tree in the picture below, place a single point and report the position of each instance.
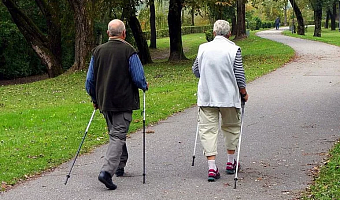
(241, 20)
(153, 38)
(225, 10)
(83, 11)
(299, 17)
(333, 16)
(144, 53)
(129, 13)
(328, 14)
(317, 7)
(194, 9)
(175, 33)
(47, 46)
(330, 7)
(285, 12)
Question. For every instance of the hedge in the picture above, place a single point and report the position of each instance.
(161, 33)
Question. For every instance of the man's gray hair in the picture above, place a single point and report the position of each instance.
(116, 27)
(221, 27)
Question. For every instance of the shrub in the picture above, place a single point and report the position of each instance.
(209, 36)
(252, 25)
(267, 24)
(258, 23)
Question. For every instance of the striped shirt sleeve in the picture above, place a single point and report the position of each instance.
(195, 68)
(239, 70)
(137, 72)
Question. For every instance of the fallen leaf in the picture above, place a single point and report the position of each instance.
(149, 131)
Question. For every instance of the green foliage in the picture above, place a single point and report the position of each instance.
(17, 58)
(222, 10)
(255, 24)
(161, 17)
(67, 37)
(327, 185)
(323, 24)
(129, 36)
(161, 33)
(268, 24)
(309, 22)
(252, 25)
(209, 35)
(43, 122)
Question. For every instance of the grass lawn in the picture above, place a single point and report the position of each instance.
(327, 184)
(42, 123)
(327, 35)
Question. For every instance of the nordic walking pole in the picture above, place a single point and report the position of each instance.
(239, 142)
(193, 156)
(143, 137)
(75, 158)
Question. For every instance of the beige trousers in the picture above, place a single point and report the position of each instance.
(209, 124)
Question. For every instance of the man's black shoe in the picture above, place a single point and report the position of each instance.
(119, 172)
(105, 178)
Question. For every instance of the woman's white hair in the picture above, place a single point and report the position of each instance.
(115, 27)
(221, 27)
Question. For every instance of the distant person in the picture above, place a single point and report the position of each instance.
(277, 23)
(221, 87)
(114, 76)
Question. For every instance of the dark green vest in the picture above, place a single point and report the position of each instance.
(115, 90)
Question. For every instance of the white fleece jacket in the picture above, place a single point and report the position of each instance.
(217, 86)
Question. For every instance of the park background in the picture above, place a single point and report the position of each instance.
(40, 122)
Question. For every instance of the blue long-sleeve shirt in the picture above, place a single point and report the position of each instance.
(136, 72)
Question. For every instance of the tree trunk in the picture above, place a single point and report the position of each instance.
(241, 20)
(285, 13)
(143, 50)
(333, 16)
(52, 13)
(42, 45)
(175, 33)
(153, 38)
(299, 17)
(233, 25)
(317, 18)
(328, 14)
(84, 38)
(192, 16)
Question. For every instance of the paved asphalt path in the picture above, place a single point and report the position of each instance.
(291, 121)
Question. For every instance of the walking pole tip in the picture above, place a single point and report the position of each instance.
(235, 179)
(193, 161)
(67, 177)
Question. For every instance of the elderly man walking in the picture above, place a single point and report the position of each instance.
(221, 88)
(114, 76)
